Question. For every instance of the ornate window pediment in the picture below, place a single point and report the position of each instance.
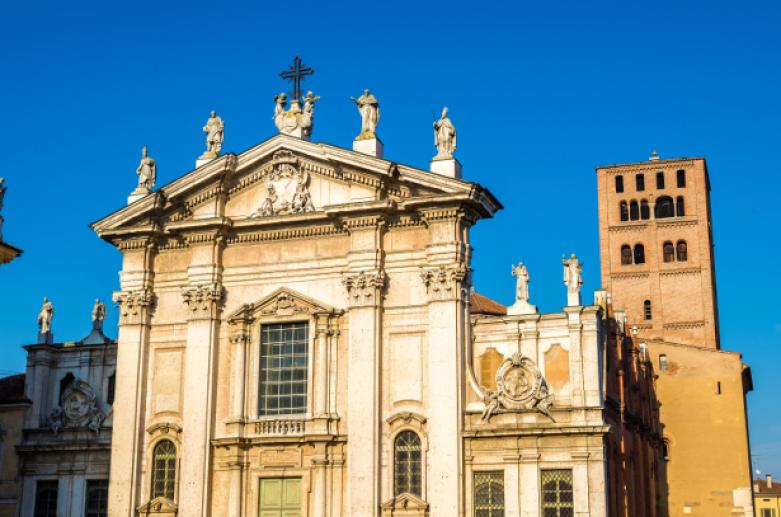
(406, 505)
(159, 506)
(283, 303)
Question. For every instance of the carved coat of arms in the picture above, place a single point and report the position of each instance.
(79, 408)
(520, 386)
(287, 186)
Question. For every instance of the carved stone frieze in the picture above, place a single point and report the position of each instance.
(287, 185)
(134, 305)
(203, 300)
(364, 288)
(446, 282)
(79, 409)
(285, 305)
(520, 387)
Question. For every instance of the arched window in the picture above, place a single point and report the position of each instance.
(639, 254)
(619, 184)
(681, 177)
(647, 310)
(626, 254)
(634, 211)
(682, 251)
(645, 213)
(406, 464)
(679, 211)
(660, 180)
(624, 211)
(668, 252)
(164, 470)
(664, 207)
(64, 383)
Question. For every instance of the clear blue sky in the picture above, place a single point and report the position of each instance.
(541, 93)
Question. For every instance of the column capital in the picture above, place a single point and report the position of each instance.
(364, 288)
(446, 282)
(135, 306)
(204, 300)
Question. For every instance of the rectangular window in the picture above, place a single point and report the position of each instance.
(46, 498)
(660, 180)
(639, 182)
(284, 354)
(489, 493)
(557, 498)
(619, 184)
(681, 177)
(97, 498)
(280, 497)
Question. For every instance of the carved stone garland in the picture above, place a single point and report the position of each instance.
(79, 409)
(520, 386)
(287, 184)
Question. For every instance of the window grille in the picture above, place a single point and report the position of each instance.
(557, 493)
(489, 494)
(46, 498)
(284, 350)
(97, 498)
(406, 465)
(164, 470)
(664, 207)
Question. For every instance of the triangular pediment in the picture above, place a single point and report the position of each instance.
(286, 177)
(405, 501)
(283, 302)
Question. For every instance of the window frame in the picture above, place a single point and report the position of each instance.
(307, 409)
(627, 256)
(87, 494)
(484, 472)
(640, 182)
(680, 178)
(668, 252)
(660, 180)
(638, 253)
(648, 310)
(397, 491)
(681, 255)
(558, 503)
(152, 471)
(619, 184)
(38, 512)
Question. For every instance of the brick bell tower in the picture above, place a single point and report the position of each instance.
(656, 248)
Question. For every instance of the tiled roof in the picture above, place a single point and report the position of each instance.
(480, 304)
(12, 389)
(761, 488)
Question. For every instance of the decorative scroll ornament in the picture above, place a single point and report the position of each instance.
(446, 282)
(520, 387)
(364, 288)
(284, 305)
(79, 409)
(288, 187)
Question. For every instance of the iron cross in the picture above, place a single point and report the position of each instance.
(296, 74)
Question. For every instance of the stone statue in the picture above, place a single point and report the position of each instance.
(307, 120)
(573, 279)
(279, 110)
(147, 172)
(522, 283)
(215, 133)
(45, 316)
(444, 137)
(369, 109)
(98, 315)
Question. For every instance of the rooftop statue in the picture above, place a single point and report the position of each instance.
(45, 316)
(215, 133)
(369, 109)
(444, 137)
(147, 172)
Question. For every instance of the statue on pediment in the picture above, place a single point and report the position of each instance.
(98, 315)
(45, 316)
(215, 134)
(295, 121)
(279, 110)
(369, 109)
(147, 172)
(444, 137)
(573, 279)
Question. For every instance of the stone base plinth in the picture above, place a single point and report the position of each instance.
(136, 195)
(45, 338)
(449, 167)
(521, 307)
(298, 133)
(370, 146)
(205, 158)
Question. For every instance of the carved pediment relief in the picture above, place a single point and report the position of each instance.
(160, 507)
(79, 409)
(283, 303)
(520, 387)
(287, 187)
(405, 505)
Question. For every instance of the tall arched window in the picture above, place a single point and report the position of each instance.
(647, 314)
(668, 252)
(624, 211)
(406, 464)
(626, 254)
(164, 470)
(679, 211)
(619, 184)
(682, 251)
(664, 207)
(639, 254)
(645, 212)
(634, 211)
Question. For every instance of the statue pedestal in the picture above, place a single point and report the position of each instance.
(370, 146)
(449, 167)
(298, 132)
(136, 195)
(573, 298)
(205, 158)
(45, 338)
(521, 307)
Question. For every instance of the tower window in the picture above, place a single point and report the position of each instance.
(660, 180)
(645, 213)
(619, 184)
(626, 254)
(682, 251)
(624, 211)
(663, 362)
(679, 211)
(668, 252)
(681, 178)
(640, 182)
(647, 310)
(639, 254)
(664, 207)
(634, 211)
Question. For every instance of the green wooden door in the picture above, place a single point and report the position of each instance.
(280, 497)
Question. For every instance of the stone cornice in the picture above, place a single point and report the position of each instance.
(684, 324)
(683, 271)
(630, 274)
